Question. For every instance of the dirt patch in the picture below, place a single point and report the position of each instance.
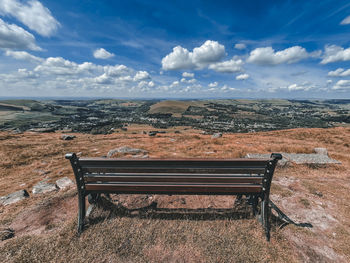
(46, 216)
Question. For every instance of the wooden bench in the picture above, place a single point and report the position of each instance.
(251, 177)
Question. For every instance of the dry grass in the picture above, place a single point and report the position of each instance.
(45, 224)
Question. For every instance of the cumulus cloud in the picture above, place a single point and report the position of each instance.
(300, 87)
(141, 75)
(242, 77)
(210, 51)
(23, 55)
(342, 84)
(32, 14)
(60, 66)
(240, 46)
(183, 80)
(334, 53)
(227, 88)
(345, 21)
(15, 37)
(101, 53)
(229, 66)
(213, 84)
(188, 75)
(268, 56)
(340, 72)
(181, 58)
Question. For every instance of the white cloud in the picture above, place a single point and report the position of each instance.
(268, 56)
(191, 81)
(15, 37)
(23, 55)
(335, 53)
(32, 14)
(213, 84)
(240, 46)
(101, 53)
(141, 75)
(340, 72)
(227, 88)
(229, 66)
(300, 87)
(242, 77)
(181, 58)
(209, 52)
(60, 66)
(342, 84)
(188, 75)
(117, 70)
(345, 21)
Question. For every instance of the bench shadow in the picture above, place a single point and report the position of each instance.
(240, 210)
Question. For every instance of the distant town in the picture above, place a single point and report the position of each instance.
(107, 116)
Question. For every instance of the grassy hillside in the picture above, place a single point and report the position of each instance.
(173, 106)
(128, 229)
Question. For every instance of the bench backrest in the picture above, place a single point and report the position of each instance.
(175, 176)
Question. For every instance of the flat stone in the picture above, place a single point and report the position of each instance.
(312, 158)
(42, 130)
(127, 150)
(64, 182)
(44, 187)
(298, 158)
(321, 151)
(283, 162)
(216, 135)
(67, 137)
(14, 197)
(142, 156)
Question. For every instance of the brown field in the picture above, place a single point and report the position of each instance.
(173, 106)
(177, 231)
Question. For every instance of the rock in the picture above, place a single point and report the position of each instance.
(64, 182)
(142, 156)
(125, 149)
(6, 233)
(67, 137)
(298, 158)
(14, 197)
(44, 187)
(216, 135)
(284, 162)
(312, 158)
(321, 151)
(124, 129)
(177, 132)
(152, 133)
(17, 131)
(42, 130)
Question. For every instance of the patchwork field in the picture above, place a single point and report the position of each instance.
(180, 228)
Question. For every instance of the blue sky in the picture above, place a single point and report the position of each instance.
(175, 49)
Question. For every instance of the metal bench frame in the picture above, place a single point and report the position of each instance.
(174, 176)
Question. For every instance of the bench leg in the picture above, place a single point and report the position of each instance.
(265, 217)
(81, 213)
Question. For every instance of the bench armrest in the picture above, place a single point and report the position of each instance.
(276, 156)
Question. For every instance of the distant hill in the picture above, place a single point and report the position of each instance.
(173, 107)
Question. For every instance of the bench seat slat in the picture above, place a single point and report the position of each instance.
(199, 178)
(195, 170)
(175, 188)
